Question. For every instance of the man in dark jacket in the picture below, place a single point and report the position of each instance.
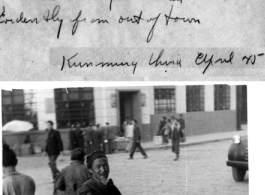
(99, 184)
(53, 148)
(88, 139)
(96, 141)
(175, 136)
(74, 175)
(108, 139)
(137, 141)
(182, 128)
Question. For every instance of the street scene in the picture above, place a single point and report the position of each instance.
(189, 139)
(201, 169)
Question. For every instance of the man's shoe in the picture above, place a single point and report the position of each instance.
(130, 158)
(145, 157)
(176, 158)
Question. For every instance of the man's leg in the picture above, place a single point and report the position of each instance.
(52, 164)
(177, 149)
(133, 149)
(142, 150)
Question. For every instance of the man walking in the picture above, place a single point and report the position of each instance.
(74, 175)
(182, 127)
(175, 136)
(136, 141)
(53, 148)
(15, 183)
(99, 184)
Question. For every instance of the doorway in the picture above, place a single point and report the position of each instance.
(129, 106)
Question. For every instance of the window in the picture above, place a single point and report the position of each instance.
(165, 100)
(19, 104)
(221, 97)
(76, 106)
(195, 98)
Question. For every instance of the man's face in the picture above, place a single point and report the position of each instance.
(49, 126)
(100, 170)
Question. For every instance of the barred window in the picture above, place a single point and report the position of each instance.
(76, 106)
(19, 104)
(165, 100)
(195, 98)
(221, 97)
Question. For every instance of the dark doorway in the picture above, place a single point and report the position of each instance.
(241, 98)
(130, 105)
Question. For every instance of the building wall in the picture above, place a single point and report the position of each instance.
(106, 113)
(45, 107)
(197, 122)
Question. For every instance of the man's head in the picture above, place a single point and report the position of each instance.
(97, 164)
(180, 116)
(9, 157)
(49, 125)
(107, 124)
(78, 125)
(134, 122)
(78, 154)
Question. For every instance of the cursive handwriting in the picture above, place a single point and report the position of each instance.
(136, 19)
(158, 62)
(54, 17)
(20, 19)
(176, 19)
(202, 59)
(77, 21)
(73, 64)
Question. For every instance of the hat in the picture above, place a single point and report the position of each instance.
(78, 154)
(93, 156)
(9, 156)
(50, 122)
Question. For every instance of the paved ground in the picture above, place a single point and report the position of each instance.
(200, 170)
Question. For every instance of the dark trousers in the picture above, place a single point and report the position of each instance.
(135, 146)
(52, 164)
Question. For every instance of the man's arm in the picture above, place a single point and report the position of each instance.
(59, 141)
(60, 183)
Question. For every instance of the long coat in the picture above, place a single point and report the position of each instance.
(54, 143)
(175, 136)
(97, 140)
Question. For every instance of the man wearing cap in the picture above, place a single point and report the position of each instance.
(74, 175)
(99, 184)
(15, 183)
(53, 148)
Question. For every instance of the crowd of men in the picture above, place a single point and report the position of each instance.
(79, 178)
(92, 138)
(173, 129)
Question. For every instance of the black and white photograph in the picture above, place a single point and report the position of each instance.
(155, 139)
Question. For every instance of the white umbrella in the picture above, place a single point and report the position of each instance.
(17, 126)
